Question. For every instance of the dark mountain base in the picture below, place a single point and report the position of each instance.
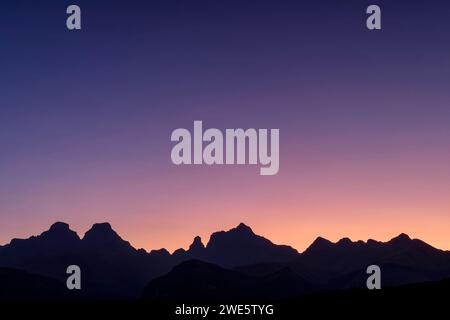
(410, 300)
(21, 285)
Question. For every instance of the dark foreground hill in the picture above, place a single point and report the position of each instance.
(422, 300)
(21, 285)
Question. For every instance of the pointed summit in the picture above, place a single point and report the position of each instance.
(401, 238)
(241, 246)
(196, 249)
(319, 244)
(197, 244)
(242, 227)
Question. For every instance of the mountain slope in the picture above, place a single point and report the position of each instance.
(324, 260)
(20, 285)
(238, 246)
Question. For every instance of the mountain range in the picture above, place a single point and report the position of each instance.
(233, 263)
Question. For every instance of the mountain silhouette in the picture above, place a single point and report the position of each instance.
(237, 259)
(197, 248)
(238, 246)
(59, 238)
(111, 266)
(48, 254)
(102, 237)
(324, 261)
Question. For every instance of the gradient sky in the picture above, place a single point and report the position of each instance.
(364, 118)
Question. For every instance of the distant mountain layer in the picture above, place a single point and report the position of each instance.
(236, 260)
(325, 261)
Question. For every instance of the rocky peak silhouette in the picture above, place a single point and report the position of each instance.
(240, 246)
(402, 238)
(243, 228)
(319, 244)
(197, 245)
(101, 231)
(102, 237)
(58, 238)
(60, 231)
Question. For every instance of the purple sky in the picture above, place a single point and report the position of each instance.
(364, 118)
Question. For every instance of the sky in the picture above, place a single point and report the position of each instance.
(364, 118)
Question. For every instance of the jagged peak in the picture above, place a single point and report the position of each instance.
(197, 244)
(238, 232)
(402, 237)
(321, 240)
(319, 244)
(243, 228)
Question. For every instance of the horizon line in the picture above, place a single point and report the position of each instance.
(205, 244)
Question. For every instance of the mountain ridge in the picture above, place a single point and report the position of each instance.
(63, 226)
(114, 268)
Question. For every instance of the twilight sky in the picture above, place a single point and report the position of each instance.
(364, 118)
